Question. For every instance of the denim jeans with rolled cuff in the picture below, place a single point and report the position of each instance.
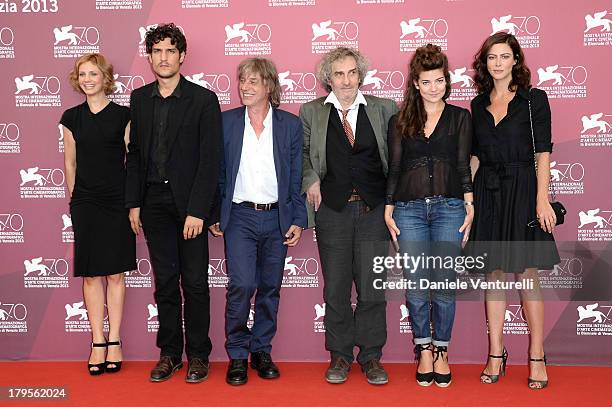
(429, 227)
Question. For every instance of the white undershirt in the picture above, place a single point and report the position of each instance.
(353, 109)
(256, 181)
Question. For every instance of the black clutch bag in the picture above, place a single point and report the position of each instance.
(559, 212)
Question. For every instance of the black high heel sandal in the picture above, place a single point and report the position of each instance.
(423, 379)
(441, 379)
(100, 367)
(493, 378)
(538, 384)
(117, 366)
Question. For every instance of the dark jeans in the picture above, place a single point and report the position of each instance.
(255, 262)
(348, 241)
(430, 226)
(175, 259)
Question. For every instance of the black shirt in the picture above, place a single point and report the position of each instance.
(510, 141)
(420, 167)
(159, 142)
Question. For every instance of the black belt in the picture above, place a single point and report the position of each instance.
(157, 183)
(498, 172)
(354, 197)
(259, 207)
(493, 181)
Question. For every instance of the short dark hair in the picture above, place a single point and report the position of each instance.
(521, 75)
(163, 31)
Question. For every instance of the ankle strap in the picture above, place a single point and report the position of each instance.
(98, 345)
(420, 347)
(114, 343)
(438, 350)
(538, 360)
(502, 356)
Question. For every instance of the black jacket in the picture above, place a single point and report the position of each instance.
(194, 148)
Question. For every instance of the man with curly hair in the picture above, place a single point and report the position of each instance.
(344, 177)
(173, 165)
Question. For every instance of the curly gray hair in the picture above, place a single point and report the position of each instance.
(324, 68)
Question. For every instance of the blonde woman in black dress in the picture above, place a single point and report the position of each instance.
(95, 139)
(509, 195)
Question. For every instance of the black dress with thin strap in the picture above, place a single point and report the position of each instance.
(104, 243)
(505, 185)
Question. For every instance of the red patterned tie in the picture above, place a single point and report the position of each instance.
(347, 128)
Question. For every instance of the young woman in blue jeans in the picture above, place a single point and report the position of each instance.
(429, 207)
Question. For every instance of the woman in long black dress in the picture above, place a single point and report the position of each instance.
(509, 194)
(95, 138)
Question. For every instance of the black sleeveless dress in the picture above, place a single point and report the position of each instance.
(505, 185)
(104, 243)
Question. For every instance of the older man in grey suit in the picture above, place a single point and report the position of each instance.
(344, 177)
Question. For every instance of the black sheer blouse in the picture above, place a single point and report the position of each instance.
(439, 165)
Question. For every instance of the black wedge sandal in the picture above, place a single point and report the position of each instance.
(99, 367)
(493, 378)
(117, 367)
(423, 379)
(441, 379)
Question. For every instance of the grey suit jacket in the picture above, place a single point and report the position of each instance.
(315, 117)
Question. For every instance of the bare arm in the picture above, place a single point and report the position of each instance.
(546, 214)
(126, 136)
(69, 158)
(474, 165)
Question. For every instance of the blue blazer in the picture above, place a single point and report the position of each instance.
(287, 140)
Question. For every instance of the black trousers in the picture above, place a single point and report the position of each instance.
(177, 263)
(348, 241)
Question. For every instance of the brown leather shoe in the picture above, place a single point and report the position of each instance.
(197, 371)
(338, 371)
(375, 372)
(165, 368)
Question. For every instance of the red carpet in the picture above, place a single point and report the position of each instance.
(302, 384)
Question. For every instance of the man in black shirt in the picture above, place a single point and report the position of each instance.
(172, 170)
(344, 176)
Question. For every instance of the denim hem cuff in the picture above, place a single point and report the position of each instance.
(440, 343)
(422, 341)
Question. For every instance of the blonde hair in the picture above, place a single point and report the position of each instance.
(97, 59)
(267, 70)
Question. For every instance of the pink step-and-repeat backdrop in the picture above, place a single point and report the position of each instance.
(568, 47)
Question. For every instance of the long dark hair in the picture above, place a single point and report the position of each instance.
(412, 117)
(521, 75)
